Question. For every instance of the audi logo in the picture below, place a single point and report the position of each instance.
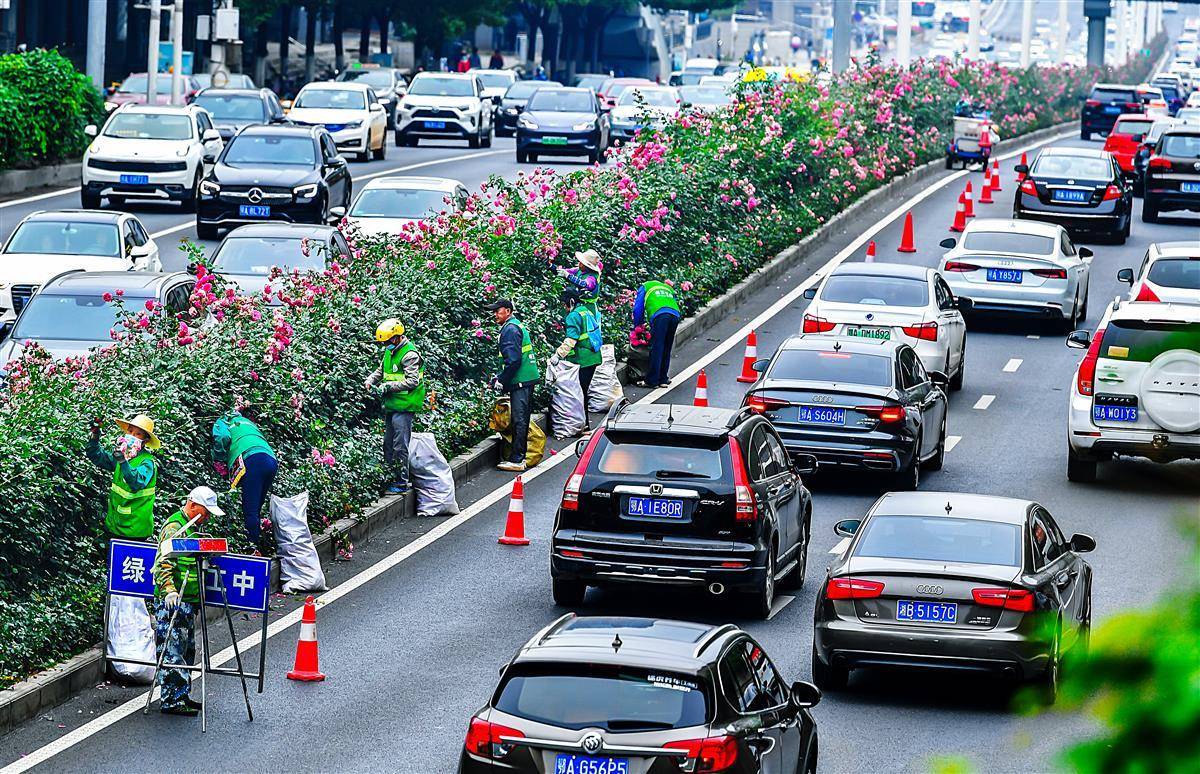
(822, 399)
(255, 195)
(927, 589)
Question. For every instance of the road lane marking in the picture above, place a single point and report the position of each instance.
(1033, 336)
(951, 442)
(92, 727)
(781, 602)
(840, 547)
(1012, 365)
(39, 197)
(983, 402)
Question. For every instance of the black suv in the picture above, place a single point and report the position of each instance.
(232, 109)
(1102, 107)
(684, 496)
(619, 695)
(1172, 178)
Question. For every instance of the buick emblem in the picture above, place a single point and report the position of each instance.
(924, 589)
(255, 195)
(1196, 166)
(655, 489)
(1070, 182)
(591, 741)
(870, 316)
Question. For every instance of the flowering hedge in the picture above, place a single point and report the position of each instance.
(44, 105)
(700, 204)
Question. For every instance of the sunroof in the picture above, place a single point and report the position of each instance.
(675, 631)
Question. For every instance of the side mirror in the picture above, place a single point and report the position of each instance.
(210, 135)
(1081, 543)
(1126, 276)
(686, 105)
(376, 107)
(805, 695)
(805, 464)
(581, 446)
(91, 130)
(847, 527)
(810, 293)
(760, 365)
(948, 243)
(337, 212)
(140, 251)
(208, 157)
(963, 304)
(1022, 169)
(939, 378)
(1086, 253)
(1079, 339)
(496, 98)
(286, 104)
(192, 268)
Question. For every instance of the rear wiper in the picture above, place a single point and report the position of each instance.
(630, 724)
(678, 474)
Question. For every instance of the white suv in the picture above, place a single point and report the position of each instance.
(1170, 271)
(349, 111)
(149, 153)
(445, 105)
(1137, 390)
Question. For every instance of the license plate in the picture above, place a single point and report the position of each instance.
(435, 124)
(1071, 195)
(334, 127)
(1102, 413)
(554, 140)
(1005, 275)
(820, 415)
(567, 763)
(254, 211)
(883, 334)
(654, 508)
(1189, 187)
(926, 611)
(1112, 110)
(135, 179)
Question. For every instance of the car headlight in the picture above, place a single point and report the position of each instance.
(583, 126)
(526, 122)
(354, 124)
(306, 191)
(209, 187)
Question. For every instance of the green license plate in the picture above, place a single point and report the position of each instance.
(882, 334)
(554, 140)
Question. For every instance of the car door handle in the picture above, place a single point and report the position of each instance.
(1062, 579)
(760, 745)
(1110, 378)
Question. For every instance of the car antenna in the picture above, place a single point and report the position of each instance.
(616, 643)
(670, 413)
(949, 507)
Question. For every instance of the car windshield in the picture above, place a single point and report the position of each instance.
(149, 126)
(1141, 341)
(67, 316)
(704, 95)
(232, 107)
(333, 99)
(233, 81)
(66, 238)
(1181, 273)
(501, 80)
(441, 86)
(691, 78)
(1185, 146)
(1113, 95)
(610, 697)
(1189, 115)
(522, 89)
(1079, 167)
(875, 290)
(1158, 128)
(652, 97)
(376, 79)
(642, 459)
(840, 367)
(1008, 242)
(560, 101)
(137, 83)
(398, 203)
(941, 539)
(256, 255)
(253, 149)
(1133, 126)
(590, 82)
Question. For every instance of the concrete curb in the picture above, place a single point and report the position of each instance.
(54, 686)
(15, 181)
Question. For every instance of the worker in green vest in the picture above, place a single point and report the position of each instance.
(400, 383)
(134, 471)
(241, 452)
(518, 374)
(586, 278)
(582, 343)
(177, 601)
(655, 303)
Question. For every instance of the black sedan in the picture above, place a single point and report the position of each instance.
(1081, 189)
(514, 101)
(954, 581)
(854, 403)
(232, 109)
(286, 173)
(562, 122)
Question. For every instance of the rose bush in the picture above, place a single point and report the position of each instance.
(700, 204)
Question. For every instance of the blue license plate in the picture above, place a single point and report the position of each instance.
(1114, 413)
(654, 508)
(335, 127)
(435, 124)
(566, 763)
(1005, 275)
(819, 415)
(254, 211)
(135, 179)
(1189, 187)
(926, 611)
(1112, 110)
(1071, 195)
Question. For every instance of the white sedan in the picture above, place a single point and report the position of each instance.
(1170, 273)
(893, 302)
(386, 204)
(350, 111)
(1019, 266)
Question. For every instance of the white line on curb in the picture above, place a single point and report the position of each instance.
(1033, 336)
(983, 402)
(39, 197)
(781, 602)
(951, 442)
(840, 547)
(1012, 365)
(368, 574)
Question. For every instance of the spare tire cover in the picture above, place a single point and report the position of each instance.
(1170, 391)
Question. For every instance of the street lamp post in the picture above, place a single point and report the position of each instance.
(152, 50)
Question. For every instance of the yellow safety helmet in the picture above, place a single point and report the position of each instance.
(389, 328)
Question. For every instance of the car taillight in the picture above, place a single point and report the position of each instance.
(762, 405)
(852, 588)
(816, 324)
(959, 266)
(570, 498)
(1086, 381)
(1112, 192)
(716, 753)
(1158, 162)
(1093, 103)
(926, 331)
(1020, 600)
(1136, 107)
(1028, 187)
(887, 414)
(1051, 273)
(746, 509)
(1146, 294)
(483, 738)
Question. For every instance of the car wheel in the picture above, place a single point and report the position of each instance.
(381, 154)
(956, 378)
(90, 201)
(399, 140)
(795, 579)
(949, 163)
(828, 678)
(474, 141)
(1149, 210)
(533, 157)
(1047, 683)
(487, 138)
(1083, 308)
(909, 479)
(207, 231)
(762, 600)
(939, 457)
(567, 593)
(522, 158)
(1080, 469)
(1084, 134)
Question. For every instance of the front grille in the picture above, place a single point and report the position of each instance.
(434, 113)
(138, 166)
(269, 193)
(21, 295)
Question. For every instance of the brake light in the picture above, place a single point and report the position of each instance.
(816, 324)
(1093, 103)
(1051, 273)
(1112, 192)
(1085, 382)
(1136, 107)
(570, 498)
(716, 753)
(483, 738)
(1020, 600)
(852, 588)
(959, 266)
(926, 331)
(1146, 294)
(746, 508)
(1158, 162)
(1028, 187)
(886, 414)
(762, 405)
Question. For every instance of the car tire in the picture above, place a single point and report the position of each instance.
(1080, 469)
(475, 140)
(1084, 134)
(398, 140)
(939, 457)
(533, 157)
(1083, 308)
(567, 593)
(1047, 682)
(909, 479)
(828, 678)
(487, 138)
(522, 158)
(795, 579)
(90, 201)
(381, 154)
(593, 157)
(956, 378)
(116, 202)
(949, 163)
(207, 231)
(1149, 210)
(762, 600)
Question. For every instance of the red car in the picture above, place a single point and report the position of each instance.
(1126, 138)
(613, 88)
(132, 90)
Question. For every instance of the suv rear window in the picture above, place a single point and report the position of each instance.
(1142, 341)
(1176, 273)
(941, 539)
(844, 367)
(1132, 126)
(612, 697)
(1114, 95)
(875, 289)
(663, 459)
(1181, 146)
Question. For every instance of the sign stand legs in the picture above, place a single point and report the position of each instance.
(237, 654)
(158, 664)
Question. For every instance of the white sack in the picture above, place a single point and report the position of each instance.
(431, 477)
(131, 635)
(299, 565)
(567, 416)
(605, 389)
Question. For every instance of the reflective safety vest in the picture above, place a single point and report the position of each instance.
(586, 296)
(528, 370)
(181, 563)
(412, 401)
(131, 514)
(586, 351)
(658, 296)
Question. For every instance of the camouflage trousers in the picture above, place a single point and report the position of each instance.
(180, 645)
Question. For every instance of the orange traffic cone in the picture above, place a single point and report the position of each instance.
(996, 187)
(870, 251)
(985, 140)
(701, 398)
(1021, 175)
(514, 528)
(960, 216)
(748, 374)
(306, 668)
(970, 206)
(906, 239)
(985, 196)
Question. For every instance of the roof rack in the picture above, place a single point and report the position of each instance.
(737, 417)
(554, 627)
(615, 411)
(712, 637)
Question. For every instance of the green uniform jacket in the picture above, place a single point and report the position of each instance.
(235, 436)
(168, 576)
(131, 493)
(412, 401)
(579, 322)
(527, 370)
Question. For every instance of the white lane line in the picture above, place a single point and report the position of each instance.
(951, 442)
(131, 706)
(983, 402)
(1012, 365)
(840, 547)
(1033, 336)
(39, 197)
(781, 602)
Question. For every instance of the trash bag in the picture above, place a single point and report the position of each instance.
(637, 364)
(131, 635)
(299, 565)
(501, 422)
(431, 477)
(606, 389)
(567, 416)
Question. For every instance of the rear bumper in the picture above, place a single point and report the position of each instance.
(1074, 222)
(1098, 123)
(994, 297)
(212, 212)
(1172, 198)
(1089, 440)
(874, 451)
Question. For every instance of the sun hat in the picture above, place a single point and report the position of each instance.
(146, 425)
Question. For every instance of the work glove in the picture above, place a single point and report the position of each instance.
(94, 428)
(554, 360)
(497, 385)
(562, 272)
(171, 600)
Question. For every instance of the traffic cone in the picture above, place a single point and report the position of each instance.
(906, 239)
(871, 251)
(985, 196)
(514, 528)
(306, 668)
(970, 206)
(701, 398)
(985, 140)
(996, 187)
(748, 374)
(960, 216)
(1021, 175)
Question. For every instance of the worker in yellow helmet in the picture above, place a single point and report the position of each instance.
(399, 383)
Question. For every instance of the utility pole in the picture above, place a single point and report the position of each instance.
(842, 22)
(1122, 51)
(903, 32)
(974, 23)
(177, 53)
(1026, 32)
(152, 51)
(97, 38)
(1064, 26)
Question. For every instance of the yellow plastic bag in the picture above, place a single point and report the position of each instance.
(501, 422)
